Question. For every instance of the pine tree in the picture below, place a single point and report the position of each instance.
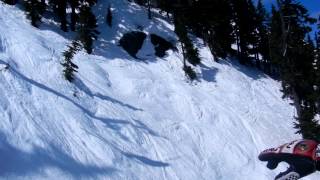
(216, 29)
(59, 8)
(62, 14)
(296, 58)
(74, 4)
(263, 37)
(210, 20)
(275, 46)
(192, 53)
(149, 8)
(147, 4)
(317, 67)
(189, 53)
(109, 17)
(318, 34)
(244, 18)
(10, 2)
(34, 10)
(69, 67)
(306, 123)
(87, 32)
(304, 82)
(140, 2)
(89, 3)
(253, 33)
(191, 74)
(165, 5)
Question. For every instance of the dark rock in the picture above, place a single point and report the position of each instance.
(161, 45)
(132, 42)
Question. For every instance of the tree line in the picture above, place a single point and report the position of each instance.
(80, 19)
(279, 41)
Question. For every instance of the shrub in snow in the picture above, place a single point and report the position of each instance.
(191, 74)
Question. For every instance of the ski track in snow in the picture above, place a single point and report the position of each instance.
(127, 119)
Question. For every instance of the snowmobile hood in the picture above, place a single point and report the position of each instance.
(302, 148)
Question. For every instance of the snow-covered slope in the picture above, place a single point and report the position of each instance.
(127, 119)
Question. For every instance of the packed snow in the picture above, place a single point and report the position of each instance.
(124, 118)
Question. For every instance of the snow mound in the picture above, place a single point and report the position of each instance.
(130, 119)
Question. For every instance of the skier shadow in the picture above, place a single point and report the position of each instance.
(134, 157)
(114, 124)
(136, 123)
(22, 163)
(81, 85)
(145, 160)
(14, 161)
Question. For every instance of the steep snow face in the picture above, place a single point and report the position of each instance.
(129, 119)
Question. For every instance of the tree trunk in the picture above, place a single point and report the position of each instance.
(285, 31)
(149, 9)
(73, 18)
(184, 56)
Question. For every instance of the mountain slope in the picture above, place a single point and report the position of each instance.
(130, 119)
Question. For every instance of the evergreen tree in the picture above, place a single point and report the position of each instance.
(62, 14)
(318, 35)
(263, 37)
(216, 28)
(253, 34)
(109, 17)
(209, 20)
(149, 8)
(192, 53)
(147, 4)
(306, 123)
(69, 67)
(296, 58)
(275, 46)
(140, 2)
(245, 26)
(10, 2)
(317, 67)
(59, 8)
(191, 74)
(74, 4)
(87, 32)
(189, 53)
(34, 10)
(165, 5)
(89, 3)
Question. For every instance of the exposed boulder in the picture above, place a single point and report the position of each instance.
(132, 42)
(161, 45)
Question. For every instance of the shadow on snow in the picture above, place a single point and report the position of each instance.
(251, 72)
(208, 73)
(14, 161)
(80, 85)
(20, 163)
